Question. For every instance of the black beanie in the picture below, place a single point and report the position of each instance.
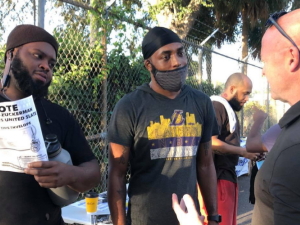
(156, 38)
(24, 34)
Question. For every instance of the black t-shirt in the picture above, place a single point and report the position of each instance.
(22, 200)
(225, 164)
(277, 184)
(163, 135)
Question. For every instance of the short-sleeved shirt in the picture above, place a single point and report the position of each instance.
(163, 135)
(270, 136)
(23, 201)
(277, 184)
(225, 164)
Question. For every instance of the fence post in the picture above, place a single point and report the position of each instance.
(200, 57)
(242, 111)
(244, 62)
(41, 13)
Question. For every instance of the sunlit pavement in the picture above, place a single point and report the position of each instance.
(245, 209)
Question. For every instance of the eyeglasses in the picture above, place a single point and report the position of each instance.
(272, 21)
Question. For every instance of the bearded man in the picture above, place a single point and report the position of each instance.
(29, 61)
(226, 145)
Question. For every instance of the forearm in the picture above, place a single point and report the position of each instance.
(221, 148)
(207, 180)
(85, 176)
(116, 199)
(118, 161)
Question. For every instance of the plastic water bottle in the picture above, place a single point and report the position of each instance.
(60, 196)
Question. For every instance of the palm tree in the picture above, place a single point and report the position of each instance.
(250, 15)
(205, 24)
(177, 15)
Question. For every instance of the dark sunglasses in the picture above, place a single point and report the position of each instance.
(272, 21)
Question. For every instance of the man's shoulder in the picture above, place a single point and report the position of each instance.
(132, 98)
(289, 134)
(202, 99)
(53, 109)
(218, 106)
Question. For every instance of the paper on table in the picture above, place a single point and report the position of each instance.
(21, 139)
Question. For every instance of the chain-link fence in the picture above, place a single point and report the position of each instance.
(89, 81)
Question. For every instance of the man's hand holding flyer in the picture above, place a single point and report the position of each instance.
(21, 139)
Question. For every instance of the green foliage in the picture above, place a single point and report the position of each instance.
(125, 75)
(177, 6)
(295, 4)
(211, 20)
(80, 73)
(257, 12)
(210, 90)
(2, 53)
(74, 45)
(14, 11)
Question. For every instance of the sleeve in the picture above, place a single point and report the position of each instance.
(220, 113)
(210, 127)
(285, 187)
(269, 138)
(75, 142)
(121, 126)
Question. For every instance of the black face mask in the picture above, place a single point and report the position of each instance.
(25, 83)
(170, 80)
(235, 104)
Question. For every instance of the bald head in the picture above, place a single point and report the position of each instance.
(290, 23)
(281, 58)
(237, 80)
(238, 87)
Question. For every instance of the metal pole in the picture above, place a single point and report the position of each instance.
(41, 13)
(206, 39)
(242, 111)
(244, 60)
(34, 12)
(200, 68)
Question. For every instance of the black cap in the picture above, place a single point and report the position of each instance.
(156, 38)
(26, 33)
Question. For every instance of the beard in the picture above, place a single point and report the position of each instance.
(235, 104)
(24, 81)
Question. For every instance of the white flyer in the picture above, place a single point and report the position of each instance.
(21, 139)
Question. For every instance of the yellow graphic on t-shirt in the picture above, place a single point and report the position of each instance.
(165, 129)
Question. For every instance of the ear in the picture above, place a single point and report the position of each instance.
(294, 59)
(232, 90)
(9, 55)
(148, 65)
